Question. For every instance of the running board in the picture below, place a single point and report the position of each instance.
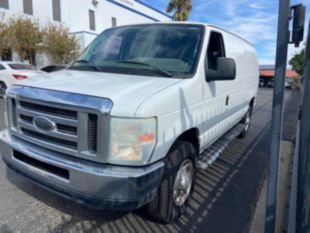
(206, 158)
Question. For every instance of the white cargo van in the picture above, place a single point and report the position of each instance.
(131, 121)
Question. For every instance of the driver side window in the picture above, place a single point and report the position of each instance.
(215, 50)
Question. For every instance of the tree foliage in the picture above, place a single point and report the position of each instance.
(297, 62)
(61, 47)
(25, 36)
(4, 38)
(182, 9)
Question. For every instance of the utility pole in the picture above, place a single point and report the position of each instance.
(277, 113)
(283, 39)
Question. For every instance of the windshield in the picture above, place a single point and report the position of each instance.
(156, 50)
(18, 66)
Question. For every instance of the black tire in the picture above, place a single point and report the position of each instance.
(163, 207)
(246, 120)
(2, 90)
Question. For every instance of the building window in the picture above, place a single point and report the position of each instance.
(4, 4)
(114, 22)
(28, 7)
(92, 22)
(56, 10)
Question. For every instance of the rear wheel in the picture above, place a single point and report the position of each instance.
(2, 90)
(176, 187)
(246, 120)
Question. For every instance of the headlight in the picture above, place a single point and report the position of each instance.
(132, 140)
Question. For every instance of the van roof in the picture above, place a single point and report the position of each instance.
(198, 23)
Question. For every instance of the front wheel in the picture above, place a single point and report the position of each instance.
(2, 90)
(176, 187)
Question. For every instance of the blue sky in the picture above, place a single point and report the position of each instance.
(255, 20)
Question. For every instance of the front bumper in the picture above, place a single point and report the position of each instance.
(92, 184)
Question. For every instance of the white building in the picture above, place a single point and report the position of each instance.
(85, 18)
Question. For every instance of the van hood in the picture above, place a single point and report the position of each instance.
(126, 92)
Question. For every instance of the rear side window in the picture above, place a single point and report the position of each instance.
(215, 50)
(17, 66)
(2, 67)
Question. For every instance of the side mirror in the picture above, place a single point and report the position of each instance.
(298, 24)
(226, 70)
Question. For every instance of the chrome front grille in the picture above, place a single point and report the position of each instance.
(56, 139)
(77, 130)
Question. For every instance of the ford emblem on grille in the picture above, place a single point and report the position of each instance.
(43, 123)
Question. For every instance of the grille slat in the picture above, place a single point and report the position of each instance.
(26, 118)
(67, 129)
(55, 134)
(92, 133)
(14, 117)
(57, 119)
(46, 144)
(48, 109)
(53, 140)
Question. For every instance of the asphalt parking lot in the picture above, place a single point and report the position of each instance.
(223, 200)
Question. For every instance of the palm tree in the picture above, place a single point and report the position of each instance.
(181, 7)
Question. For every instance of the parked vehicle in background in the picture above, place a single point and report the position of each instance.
(288, 84)
(10, 72)
(131, 122)
(261, 83)
(53, 68)
(270, 83)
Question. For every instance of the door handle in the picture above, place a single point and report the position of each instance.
(227, 100)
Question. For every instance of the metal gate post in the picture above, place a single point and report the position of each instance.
(303, 186)
(277, 113)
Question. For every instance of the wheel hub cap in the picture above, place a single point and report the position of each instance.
(183, 182)
(247, 122)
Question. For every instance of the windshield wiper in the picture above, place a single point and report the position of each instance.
(89, 63)
(155, 68)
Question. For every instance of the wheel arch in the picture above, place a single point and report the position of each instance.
(252, 102)
(191, 136)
